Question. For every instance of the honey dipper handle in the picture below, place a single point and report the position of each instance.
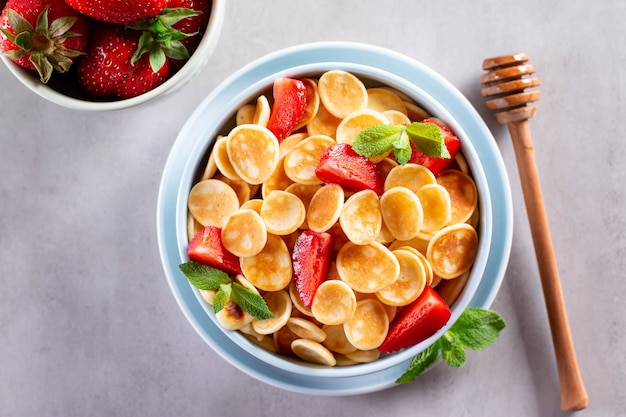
(573, 393)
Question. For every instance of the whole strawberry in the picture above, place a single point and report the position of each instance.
(194, 24)
(112, 66)
(119, 11)
(42, 35)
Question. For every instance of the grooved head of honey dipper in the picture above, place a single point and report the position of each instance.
(508, 87)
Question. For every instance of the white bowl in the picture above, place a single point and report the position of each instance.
(70, 96)
(215, 115)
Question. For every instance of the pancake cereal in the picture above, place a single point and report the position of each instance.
(386, 248)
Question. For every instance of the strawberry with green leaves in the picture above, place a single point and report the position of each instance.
(111, 67)
(42, 35)
(119, 11)
(124, 61)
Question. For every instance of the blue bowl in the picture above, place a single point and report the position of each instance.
(374, 65)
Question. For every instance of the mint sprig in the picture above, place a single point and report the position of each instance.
(378, 139)
(475, 329)
(205, 277)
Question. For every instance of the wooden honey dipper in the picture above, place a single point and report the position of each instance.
(505, 87)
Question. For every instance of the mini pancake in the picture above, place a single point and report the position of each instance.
(323, 123)
(428, 269)
(410, 282)
(341, 93)
(211, 167)
(418, 243)
(435, 202)
(415, 112)
(411, 176)
(270, 269)
(282, 212)
(343, 360)
(297, 301)
(302, 160)
(361, 218)
(336, 339)
(405, 98)
(334, 302)
(306, 329)
(244, 233)
(463, 194)
(241, 188)
(212, 201)
(193, 226)
(402, 212)
(279, 304)
(396, 117)
(364, 356)
(382, 99)
(208, 296)
(253, 204)
(283, 339)
(262, 112)
(289, 142)
(312, 103)
(277, 181)
(245, 114)
(325, 207)
(253, 151)
(369, 325)
(305, 193)
(385, 235)
(461, 162)
(452, 250)
(232, 317)
(222, 161)
(450, 289)
(367, 268)
(357, 121)
(386, 165)
(314, 352)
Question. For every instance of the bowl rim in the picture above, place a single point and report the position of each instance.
(193, 65)
(311, 54)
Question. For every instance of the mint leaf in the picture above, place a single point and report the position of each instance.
(250, 302)
(428, 138)
(452, 352)
(203, 276)
(402, 148)
(477, 328)
(377, 139)
(221, 298)
(420, 363)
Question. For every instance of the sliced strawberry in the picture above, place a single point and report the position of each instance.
(288, 108)
(437, 165)
(417, 322)
(206, 247)
(340, 164)
(311, 260)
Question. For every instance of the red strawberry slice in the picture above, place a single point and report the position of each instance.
(311, 260)
(340, 164)
(437, 165)
(417, 322)
(206, 247)
(289, 106)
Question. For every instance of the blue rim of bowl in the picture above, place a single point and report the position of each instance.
(238, 89)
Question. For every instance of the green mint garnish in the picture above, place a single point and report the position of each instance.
(205, 277)
(378, 139)
(475, 329)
